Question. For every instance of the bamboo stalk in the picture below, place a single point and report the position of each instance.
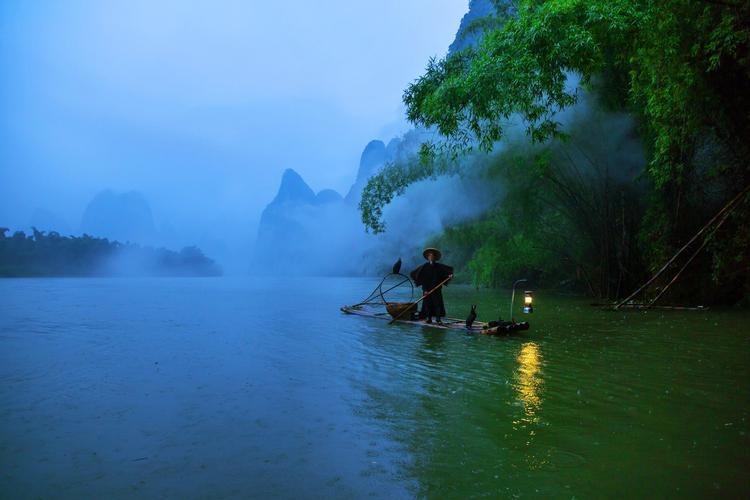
(420, 299)
(710, 223)
(646, 306)
(692, 257)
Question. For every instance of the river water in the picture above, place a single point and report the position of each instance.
(242, 387)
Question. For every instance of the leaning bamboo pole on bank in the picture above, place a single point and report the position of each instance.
(721, 215)
(692, 257)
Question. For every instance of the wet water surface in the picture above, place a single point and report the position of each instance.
(241, 387)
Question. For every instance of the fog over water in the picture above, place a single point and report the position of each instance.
(199, 107)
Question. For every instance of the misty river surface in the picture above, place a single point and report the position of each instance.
(244, 387)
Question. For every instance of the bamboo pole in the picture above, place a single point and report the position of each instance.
(420, 299)
(692, 257)
(710, 223)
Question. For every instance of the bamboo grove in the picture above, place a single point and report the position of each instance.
(615, 128)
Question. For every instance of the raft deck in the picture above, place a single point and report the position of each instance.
(454, 324)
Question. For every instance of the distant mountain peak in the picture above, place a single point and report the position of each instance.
(370, 162)
(328, 196)
(465, 37)
(372, 157)
(293, 189)
(121, 216)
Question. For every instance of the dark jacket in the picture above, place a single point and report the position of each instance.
(428, 276)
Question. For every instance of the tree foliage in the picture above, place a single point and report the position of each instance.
(680, 67)
(678, 64)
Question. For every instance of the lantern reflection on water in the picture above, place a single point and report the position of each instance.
(528, 382)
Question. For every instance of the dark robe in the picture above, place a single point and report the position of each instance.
(428, 276)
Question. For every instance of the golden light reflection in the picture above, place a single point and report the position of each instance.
(528, 386)
(529, 382)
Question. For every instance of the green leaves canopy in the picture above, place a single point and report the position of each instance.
(679, 65)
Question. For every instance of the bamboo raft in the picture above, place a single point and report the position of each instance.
(452, 324)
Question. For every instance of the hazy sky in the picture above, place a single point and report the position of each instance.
(201, 105)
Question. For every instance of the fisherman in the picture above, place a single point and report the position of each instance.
(428, 276)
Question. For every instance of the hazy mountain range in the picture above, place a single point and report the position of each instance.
(303, 232)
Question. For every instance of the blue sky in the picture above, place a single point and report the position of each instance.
(200, 105)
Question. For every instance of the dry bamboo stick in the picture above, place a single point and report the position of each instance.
(702, 230)
(692, 257)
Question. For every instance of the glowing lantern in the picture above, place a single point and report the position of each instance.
(528, 302)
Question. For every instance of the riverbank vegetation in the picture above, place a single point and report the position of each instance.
(616, 129)
(50, 254)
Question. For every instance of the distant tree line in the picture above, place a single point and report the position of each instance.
(51, 254)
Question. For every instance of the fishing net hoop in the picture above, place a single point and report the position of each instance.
(378, 292)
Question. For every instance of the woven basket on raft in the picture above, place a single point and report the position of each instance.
(397, 308)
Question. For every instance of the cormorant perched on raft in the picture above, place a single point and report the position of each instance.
(396, 266)
(428, 276)
(472, 316)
